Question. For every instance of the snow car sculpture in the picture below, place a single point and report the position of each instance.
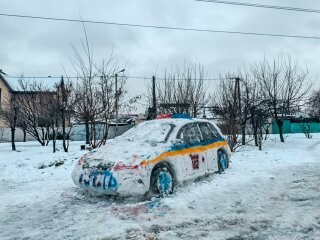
(153, 157)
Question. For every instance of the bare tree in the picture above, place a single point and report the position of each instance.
(1, 131)
(182, 90)
(52, 116)
(107, 93)
(198, 90)
(23, 126)
(9, 111)
(260, 115)
(85, 90)
(244, 96)
(95, 92)
(257, 111)
(227, 109)
(306, 128)
(65, 107)
(313, 106)
(283, 85)
(34, 104)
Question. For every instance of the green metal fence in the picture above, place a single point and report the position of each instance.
(289, 127)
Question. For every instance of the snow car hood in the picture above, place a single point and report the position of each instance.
(122, 154)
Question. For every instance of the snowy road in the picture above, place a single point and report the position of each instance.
(269, 194)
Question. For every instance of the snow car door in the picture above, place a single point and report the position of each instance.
(210, 136)
(190, 153)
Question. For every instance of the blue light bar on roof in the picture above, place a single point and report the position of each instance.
(181, 115)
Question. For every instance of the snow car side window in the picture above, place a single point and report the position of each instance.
(214, 131)
(190, 134)
(206, 131)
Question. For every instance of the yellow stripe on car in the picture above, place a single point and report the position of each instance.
(197, 149)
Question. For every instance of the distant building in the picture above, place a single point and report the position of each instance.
(11, 96)
(78, 132)
(5, 96)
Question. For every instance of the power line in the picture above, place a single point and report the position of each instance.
(287, 8)
(70, 77)
(129, 77)
(161, 27)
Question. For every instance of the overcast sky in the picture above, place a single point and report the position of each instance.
(42, 48)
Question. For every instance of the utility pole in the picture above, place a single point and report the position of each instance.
(63, 105)
(154, 102)
(116, 85)
(239, 92)
(204, 112)
(116, 102)
(237, 114)
(238, 98)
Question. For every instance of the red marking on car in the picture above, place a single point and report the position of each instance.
(82, 160)
(121, 166)
(162, 116)
(195, 161)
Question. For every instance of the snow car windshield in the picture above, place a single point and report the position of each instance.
(153, 132)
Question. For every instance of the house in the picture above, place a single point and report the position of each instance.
(13, 98)
(5, 96)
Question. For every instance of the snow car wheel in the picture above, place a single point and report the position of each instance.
(162, 181)
(223, 161)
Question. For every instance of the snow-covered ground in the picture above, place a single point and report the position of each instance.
(269, 194)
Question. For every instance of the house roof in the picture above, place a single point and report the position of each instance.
(34, 92)
(6, 83)
(13, 84)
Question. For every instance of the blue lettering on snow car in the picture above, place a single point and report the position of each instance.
(102, 179)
